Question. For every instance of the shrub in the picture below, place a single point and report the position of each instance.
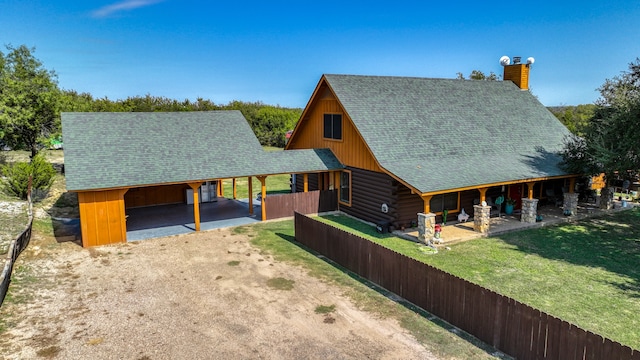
(16, 180)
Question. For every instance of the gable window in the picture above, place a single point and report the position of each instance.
(345, 187)
(333, 126)
(444, 201)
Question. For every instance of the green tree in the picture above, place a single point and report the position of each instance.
(273, 124)
(29, 100)
(611, 141)
(16, 181)
(479, 75)
(575, 118)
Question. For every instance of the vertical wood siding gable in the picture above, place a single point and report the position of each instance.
(351, 150)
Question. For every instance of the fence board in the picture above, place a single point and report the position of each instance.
(538, 334)
(554, 337)
(311, 202)
(594, 347)
(525, 337)
(473, 308)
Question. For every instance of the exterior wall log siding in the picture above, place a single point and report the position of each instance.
(312, 179)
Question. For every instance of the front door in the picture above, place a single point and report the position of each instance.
(515, 192)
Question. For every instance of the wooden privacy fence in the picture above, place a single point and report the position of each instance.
(15, 248)
(312, 202)
(511, 327)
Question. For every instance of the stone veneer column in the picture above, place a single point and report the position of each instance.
(570, 203)
(606, 198)
(529, 210)
(481, 218)
(426, 227)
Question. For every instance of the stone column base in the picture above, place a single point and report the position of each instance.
(481, 218)
(426, 227)
(606, 198)
(529, 210)
(570, 204)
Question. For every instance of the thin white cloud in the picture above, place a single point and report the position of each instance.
(125, 5)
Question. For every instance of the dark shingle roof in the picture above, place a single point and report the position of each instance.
(111, 150)
(439, 134)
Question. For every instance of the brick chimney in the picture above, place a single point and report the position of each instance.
(517, 72)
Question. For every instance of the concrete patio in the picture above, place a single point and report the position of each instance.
(455, 232)
(174, 219)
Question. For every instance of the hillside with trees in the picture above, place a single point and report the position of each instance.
(31, 102)
(269, 123)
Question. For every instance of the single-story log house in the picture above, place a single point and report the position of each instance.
(420, 145)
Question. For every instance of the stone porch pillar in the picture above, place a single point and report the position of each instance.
(606, 198)
(529, 210)
(570, 203)
(481, 218)
(426, 227)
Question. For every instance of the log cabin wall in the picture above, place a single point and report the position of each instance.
(409, 205)
(313, 182)
(369, 190)
(156, 195)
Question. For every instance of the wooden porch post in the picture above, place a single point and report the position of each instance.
(427, 203)
(530, 190)
(220, 188)
(572, 185)
(483, 194)
(235, 194)
(263, 203)
(305, 178)
(250, 182)
(332, 178)
(196, 204)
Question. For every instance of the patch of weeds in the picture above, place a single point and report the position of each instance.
(240, 230)
(43, 226)
(324, 309)
(280, 283)
(49, 352)
(233, 263)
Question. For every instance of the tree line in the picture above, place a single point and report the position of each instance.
(269, 123)
(31, 103)
(605, 136)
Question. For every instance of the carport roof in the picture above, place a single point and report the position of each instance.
(120, 150)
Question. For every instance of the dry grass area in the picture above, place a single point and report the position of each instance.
(196, 296)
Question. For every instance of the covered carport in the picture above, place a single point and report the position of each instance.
(174, 219)
(159, 157)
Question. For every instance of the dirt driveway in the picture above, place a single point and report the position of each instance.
(198, 296)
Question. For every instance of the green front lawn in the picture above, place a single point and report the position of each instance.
(586, 273)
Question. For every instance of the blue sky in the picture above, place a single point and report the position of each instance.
(276, 51)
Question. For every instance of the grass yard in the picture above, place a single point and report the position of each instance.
(276, 184)
(586, 273)
(276, 239)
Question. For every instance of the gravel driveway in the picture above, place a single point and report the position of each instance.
(209, 295)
